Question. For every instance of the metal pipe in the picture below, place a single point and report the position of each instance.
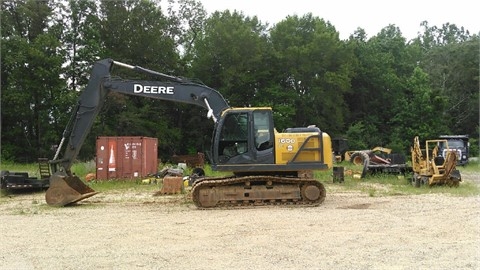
(210, 111)
(148, 71)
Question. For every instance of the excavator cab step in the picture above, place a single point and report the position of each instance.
(65, 190)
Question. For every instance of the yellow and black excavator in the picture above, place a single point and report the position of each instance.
(268, 167)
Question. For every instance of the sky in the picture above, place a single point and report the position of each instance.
(371, 15)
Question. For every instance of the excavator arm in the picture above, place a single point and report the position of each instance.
(66, 188)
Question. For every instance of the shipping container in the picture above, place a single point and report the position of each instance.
(126, 157)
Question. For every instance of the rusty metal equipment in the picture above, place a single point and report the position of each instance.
(172, 185)
(430, 167)
(126, 157)
(377, 155)
(65, 189)
(376, 160)
(192, 161)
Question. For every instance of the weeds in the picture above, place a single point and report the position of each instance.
(32, 169)
(131, 185)
(394, 185)
(373, 185)
(472, 166)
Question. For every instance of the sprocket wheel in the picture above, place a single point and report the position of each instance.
(313, 193)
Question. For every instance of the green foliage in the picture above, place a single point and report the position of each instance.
(420, 106)
(356, 136)
(381, 69)
(473, 166)
(313, 69)
(31, 83)
(228, 56)
(454, 70)
(83, 41)
(116, 185)
(379, 90)
(474, 147)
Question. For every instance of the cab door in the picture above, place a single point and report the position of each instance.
(263, 136)
(244, 136)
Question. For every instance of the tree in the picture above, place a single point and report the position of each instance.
(454, 72)
(81, 39)
(186, 23)
(419, 112)
(433, 36)
(313, 70)
(228, 56)
(384, 64)
(31, 83)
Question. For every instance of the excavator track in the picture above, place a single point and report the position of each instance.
(255, 191)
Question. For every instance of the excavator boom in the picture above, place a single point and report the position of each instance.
(66, 188)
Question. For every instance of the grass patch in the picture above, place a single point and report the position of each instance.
(472, 166)
(122, 185)
(31, 168)
(373, 185)
(81, 169)
(393, 185)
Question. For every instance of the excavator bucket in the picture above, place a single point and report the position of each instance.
(66, 190)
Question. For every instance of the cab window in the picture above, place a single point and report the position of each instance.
(234, 135)
(262, 130)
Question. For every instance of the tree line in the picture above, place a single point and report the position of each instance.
(375, 91)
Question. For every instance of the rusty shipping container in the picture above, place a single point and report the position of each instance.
(126, 157)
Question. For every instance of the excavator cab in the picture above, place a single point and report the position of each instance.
(244, 136)
(246, 142)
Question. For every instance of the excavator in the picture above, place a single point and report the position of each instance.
(265, 167)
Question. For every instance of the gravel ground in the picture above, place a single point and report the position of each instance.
(350, 230)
